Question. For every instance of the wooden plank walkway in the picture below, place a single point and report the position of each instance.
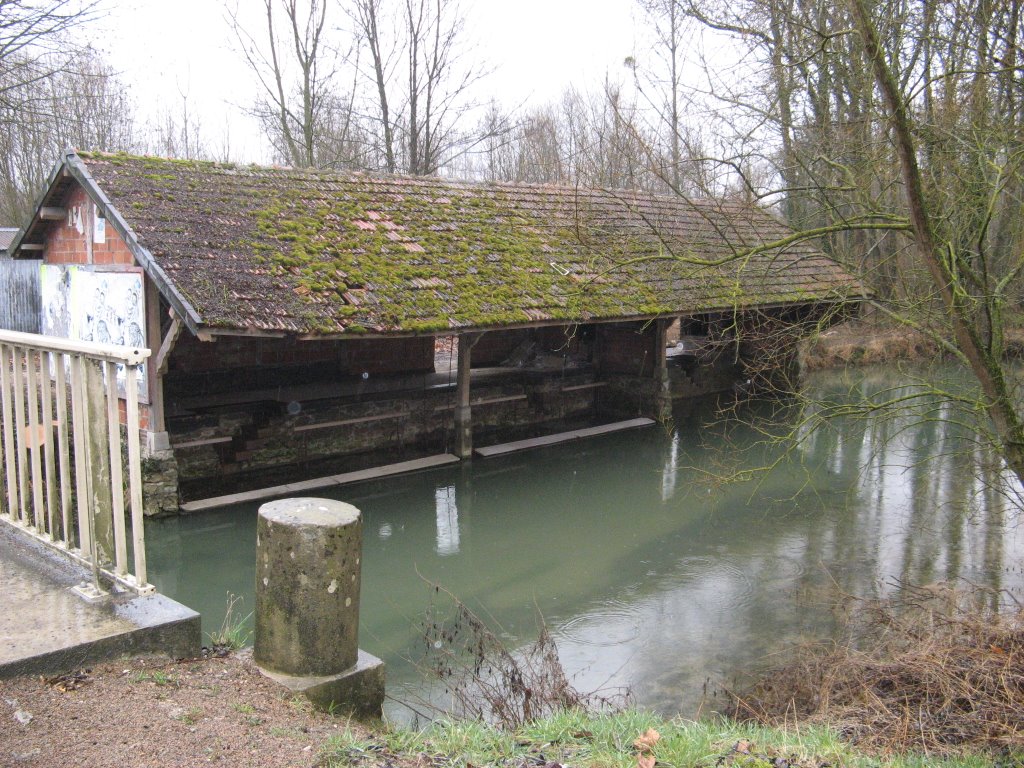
(560, 437)
(319, 483)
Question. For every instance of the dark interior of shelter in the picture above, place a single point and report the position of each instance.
(246, 411)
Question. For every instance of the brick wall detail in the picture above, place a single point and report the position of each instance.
(67, 241)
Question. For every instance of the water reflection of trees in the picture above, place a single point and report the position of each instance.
(930, 495)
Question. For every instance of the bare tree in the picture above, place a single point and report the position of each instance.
(891, 132)
(585, 138)
(367, 15)
(308, 121)
(421, 75)
(663, 78)
(34, 42)
(82, 105)
(177, 133)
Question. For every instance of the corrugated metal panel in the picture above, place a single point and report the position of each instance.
(19, 295)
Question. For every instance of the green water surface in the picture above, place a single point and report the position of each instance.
(653, 572)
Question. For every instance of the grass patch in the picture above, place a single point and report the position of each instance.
(190, 716)
(157, 677)
(585, 740)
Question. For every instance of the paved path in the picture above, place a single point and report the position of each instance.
(45, 627)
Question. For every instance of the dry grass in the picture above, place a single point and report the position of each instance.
(861, 343)
(937, 671)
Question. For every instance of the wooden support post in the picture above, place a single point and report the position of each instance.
(463, 411)
(156, 367)
(663, 391)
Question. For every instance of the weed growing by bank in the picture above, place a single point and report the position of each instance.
(234, 633)
(484, 680)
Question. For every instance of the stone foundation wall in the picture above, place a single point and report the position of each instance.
(627, 397)
(160, 484)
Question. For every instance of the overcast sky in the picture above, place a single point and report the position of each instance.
(167, 48)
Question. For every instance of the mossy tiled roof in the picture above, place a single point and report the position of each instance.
(310, 252)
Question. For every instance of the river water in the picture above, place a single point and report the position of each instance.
(653, 571)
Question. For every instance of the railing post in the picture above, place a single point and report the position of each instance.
(87, 520)
(97, 458)
(63, 449)
(10, 457)
(135, 474)
(46, 433)
(18, 359)
(116, 470)
(35, 438)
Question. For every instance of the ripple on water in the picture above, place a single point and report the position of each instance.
(780, 569)
(723, 581)
(610, 624)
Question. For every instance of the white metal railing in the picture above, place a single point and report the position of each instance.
(64, 455)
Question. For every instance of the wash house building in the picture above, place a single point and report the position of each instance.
(303, 323)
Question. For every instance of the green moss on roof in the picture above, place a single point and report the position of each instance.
(326, 253)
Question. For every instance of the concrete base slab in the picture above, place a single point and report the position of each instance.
(561, 437)
(45, 628)
(358, 691)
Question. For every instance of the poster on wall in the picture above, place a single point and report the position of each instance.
(101, 307)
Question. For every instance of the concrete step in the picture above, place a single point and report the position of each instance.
(46, 628)
(306, 486)
(561, 437)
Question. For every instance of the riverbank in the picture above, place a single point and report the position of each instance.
(861, 342)
(149, 712)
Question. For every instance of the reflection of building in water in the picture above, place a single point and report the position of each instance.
(670, 472)
(447, 521)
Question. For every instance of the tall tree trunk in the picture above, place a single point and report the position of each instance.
(999, 403)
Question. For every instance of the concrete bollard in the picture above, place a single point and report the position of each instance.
(308, 554)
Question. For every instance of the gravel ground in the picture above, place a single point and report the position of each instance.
(153, 712)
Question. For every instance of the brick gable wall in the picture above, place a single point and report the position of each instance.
(67, 241)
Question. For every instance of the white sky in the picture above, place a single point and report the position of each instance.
(166, 48)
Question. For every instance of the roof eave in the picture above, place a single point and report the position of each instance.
(211, 332)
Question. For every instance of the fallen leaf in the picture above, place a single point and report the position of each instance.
(742, 746)
(645, 761)
(646, 742)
